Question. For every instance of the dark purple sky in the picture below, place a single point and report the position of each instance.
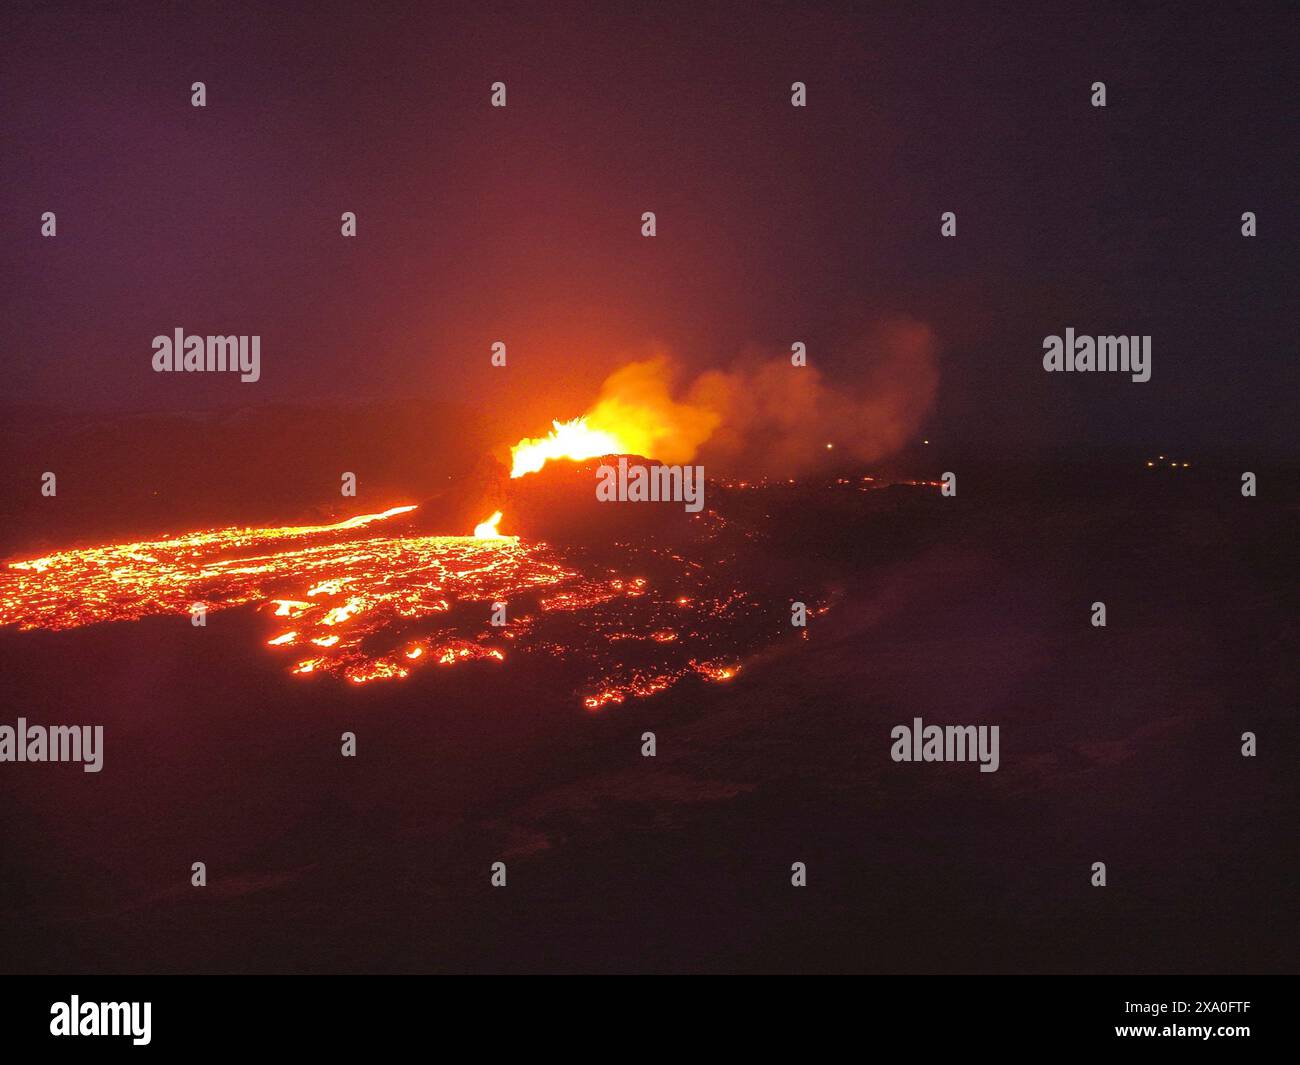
(775, 224)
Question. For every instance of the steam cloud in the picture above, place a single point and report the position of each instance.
(773, 418)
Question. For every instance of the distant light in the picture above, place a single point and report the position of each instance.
(1150, 463)
(829, 446)
(1186, 464)
(1162, 458)
(925, 441)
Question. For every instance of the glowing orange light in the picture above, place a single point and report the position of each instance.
(574, 440)
(369, 605)
(714, 672)
(487, 529)
(341, 614)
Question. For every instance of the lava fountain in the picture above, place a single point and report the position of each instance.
(634, 414)
(369, 598)
(487, 529)
(575, 440)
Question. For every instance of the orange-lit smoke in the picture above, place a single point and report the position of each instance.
(635, 414)
(771, 417)
(778, 419)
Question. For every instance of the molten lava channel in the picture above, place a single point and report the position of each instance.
(357, 601)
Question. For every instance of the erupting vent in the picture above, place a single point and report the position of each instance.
(567, 440)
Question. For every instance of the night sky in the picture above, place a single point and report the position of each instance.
(775, 223)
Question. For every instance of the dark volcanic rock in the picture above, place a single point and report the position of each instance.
(559, 502)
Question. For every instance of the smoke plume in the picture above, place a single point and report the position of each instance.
(771, 417)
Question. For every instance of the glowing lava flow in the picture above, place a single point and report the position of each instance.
(358, 600)
(567, 440)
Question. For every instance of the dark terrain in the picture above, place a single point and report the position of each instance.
(1119, 745)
